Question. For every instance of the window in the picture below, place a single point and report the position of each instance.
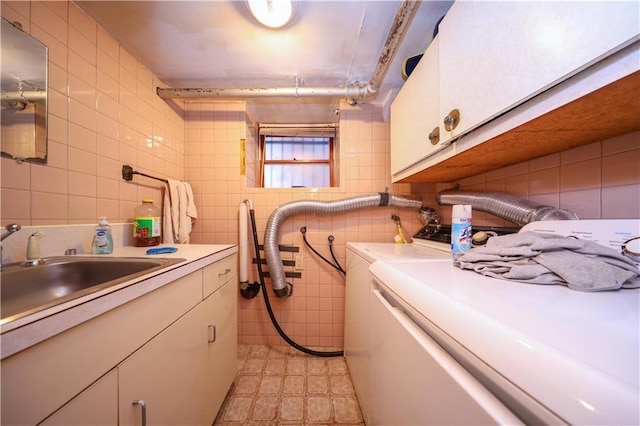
(294, 159)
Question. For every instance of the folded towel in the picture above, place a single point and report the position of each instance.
(179, 213)
(539, 258)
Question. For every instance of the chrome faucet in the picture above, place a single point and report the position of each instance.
(11, 229)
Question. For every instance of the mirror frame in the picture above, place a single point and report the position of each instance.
(25, 68)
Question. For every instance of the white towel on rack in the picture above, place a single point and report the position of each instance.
(179, 212)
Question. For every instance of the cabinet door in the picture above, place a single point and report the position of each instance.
(496, 55)
(415, 113)
(222, 351)
(96, 406)
(168, 375)
(416, 382)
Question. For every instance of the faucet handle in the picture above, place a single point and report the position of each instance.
(33, 247)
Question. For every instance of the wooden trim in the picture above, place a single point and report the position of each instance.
(261, 154)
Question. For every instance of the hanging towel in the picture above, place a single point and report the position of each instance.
(540, 258)
(179, 212)
(170, 212)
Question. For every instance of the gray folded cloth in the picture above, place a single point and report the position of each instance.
(538, 258)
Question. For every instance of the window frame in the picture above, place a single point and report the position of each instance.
(263, 161)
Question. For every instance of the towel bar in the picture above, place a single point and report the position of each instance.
(128, 172)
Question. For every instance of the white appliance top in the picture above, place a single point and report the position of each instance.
(607, 232)
(576, 353)
(386, 251)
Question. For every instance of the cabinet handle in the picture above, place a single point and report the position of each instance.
(434, 136)
(452, 120)
(226, 271)
(212, 339)
(143, 406)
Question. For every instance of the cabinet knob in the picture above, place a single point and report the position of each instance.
(452, 120)
(143, 406)
(434, 136)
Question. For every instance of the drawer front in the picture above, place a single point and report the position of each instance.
(218, 274)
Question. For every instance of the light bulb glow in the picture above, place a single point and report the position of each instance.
(271, 13)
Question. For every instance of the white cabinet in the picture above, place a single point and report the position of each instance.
(415, 114)
(168, 375)
(41, 379)
(493, 57)
(183, 374)
(96, 406)
(496, 55)
(222, 345)
(170, 348)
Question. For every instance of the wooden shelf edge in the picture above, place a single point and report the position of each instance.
(610, 111)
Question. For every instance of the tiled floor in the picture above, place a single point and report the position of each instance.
(279, 385)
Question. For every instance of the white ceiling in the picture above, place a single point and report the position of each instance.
(216, 44)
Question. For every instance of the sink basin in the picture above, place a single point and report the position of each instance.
(25, 290)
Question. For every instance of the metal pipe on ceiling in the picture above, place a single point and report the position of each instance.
(352, 93)
(24, 95)
(399, 28)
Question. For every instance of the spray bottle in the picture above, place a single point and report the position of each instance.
(460, 229)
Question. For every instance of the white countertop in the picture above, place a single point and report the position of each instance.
(27, 331)
(577, 353)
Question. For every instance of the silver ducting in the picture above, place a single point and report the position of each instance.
(272, 232)
(351, 93)
(509, 207)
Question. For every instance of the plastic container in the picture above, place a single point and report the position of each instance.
(147, 224)
(102, 239)
(460, 229)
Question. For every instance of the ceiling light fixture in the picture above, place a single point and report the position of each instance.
(272, 13)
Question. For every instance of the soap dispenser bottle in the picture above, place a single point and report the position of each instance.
(102, 239)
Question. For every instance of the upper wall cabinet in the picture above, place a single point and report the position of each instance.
(415, 114)
(494, 56)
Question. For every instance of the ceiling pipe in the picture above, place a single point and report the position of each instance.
(24, 95)
(352, 93)
(399, 28)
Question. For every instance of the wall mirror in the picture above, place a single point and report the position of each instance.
(24, 95)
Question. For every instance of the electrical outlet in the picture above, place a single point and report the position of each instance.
(299, 266)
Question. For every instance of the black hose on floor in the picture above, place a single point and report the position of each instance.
(268, 304)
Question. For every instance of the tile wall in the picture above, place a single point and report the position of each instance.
(103, 113)
(314, 316)
(597, 181)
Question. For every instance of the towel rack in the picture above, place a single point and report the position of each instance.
(128, 172)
